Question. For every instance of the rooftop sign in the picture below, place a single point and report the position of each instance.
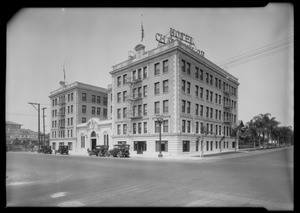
(174, 34)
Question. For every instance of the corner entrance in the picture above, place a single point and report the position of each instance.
(140, 146)
(93, 143)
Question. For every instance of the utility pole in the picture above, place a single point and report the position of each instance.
(38, 109)
(44, 124)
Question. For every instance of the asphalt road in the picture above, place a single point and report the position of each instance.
(256, 179)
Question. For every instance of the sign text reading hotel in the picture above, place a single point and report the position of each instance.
(174, 34)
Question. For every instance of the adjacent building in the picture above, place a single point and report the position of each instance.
(197, 100)
(14, 133)
(74, 105)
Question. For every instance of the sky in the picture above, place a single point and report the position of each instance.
(89, 41)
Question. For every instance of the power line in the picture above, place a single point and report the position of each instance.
(255, 53)
(274, 43)
(259, 56)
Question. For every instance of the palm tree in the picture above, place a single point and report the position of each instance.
(250, 131)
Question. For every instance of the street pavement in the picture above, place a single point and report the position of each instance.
(261, 178)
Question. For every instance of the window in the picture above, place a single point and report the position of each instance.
(211, 146)
(124, 95)
(139, 73)
(216, 114)
(165, 66)
(165, 106)
(139, 128)
(156, 107)
(139, 110)
(185, 146)
(145, 91)
(134, 75)
(188, 126)
(216, 98)
(188, 69)
(201, 110)
(197, 109)
(207, 145)
(163, 146)
(196, 90)
(183, 125)
(197, 72)
(157, 127)
(119, 129)
(156, 69)
(118, 97)
(188, 107)
(134, 92)
(83, 109)
(207, 78)
(93, 110)
(145, 72)
(145, 109)
(183, 66)
(188, 87)
(183, 106)
(211, 80)
(207, 112)
(104, 112)
(124, 79)
(145, 127)
(71, 108)
(140, 92)
(69, 97)
(83, 120)
(156, 88)
(165, 126)
(201, 92)
(211, 96)
(124, 112)
(82, 141)
(124, 129)
(119, 113)
(105, 101)
(207, 94)
(201, 75)
(183, 86)
(119, 81)
(197, 128)
(211, 112)
(93, 98)
(165, 86)
(83, 96)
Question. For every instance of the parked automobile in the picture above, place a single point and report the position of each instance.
(99, 150)
(63, 149)
(45, 150)
(120, 150)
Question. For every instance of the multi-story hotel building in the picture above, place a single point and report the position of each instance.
(197, 100)
(73, 105)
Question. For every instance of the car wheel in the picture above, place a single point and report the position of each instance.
(119, 154)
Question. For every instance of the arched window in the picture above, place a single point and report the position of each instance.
(93, 134)
(105, 135)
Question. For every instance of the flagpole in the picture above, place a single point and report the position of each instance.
(142, 29)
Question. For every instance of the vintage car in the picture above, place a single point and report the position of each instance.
(63, 149)
(99, 150)
(120, 150)
(45, 150)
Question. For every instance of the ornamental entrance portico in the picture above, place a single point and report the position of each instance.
(93, 132)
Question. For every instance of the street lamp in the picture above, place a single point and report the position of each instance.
(159, 119)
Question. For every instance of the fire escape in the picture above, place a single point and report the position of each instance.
(62, 111)
(227, 108)
(134, 100)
